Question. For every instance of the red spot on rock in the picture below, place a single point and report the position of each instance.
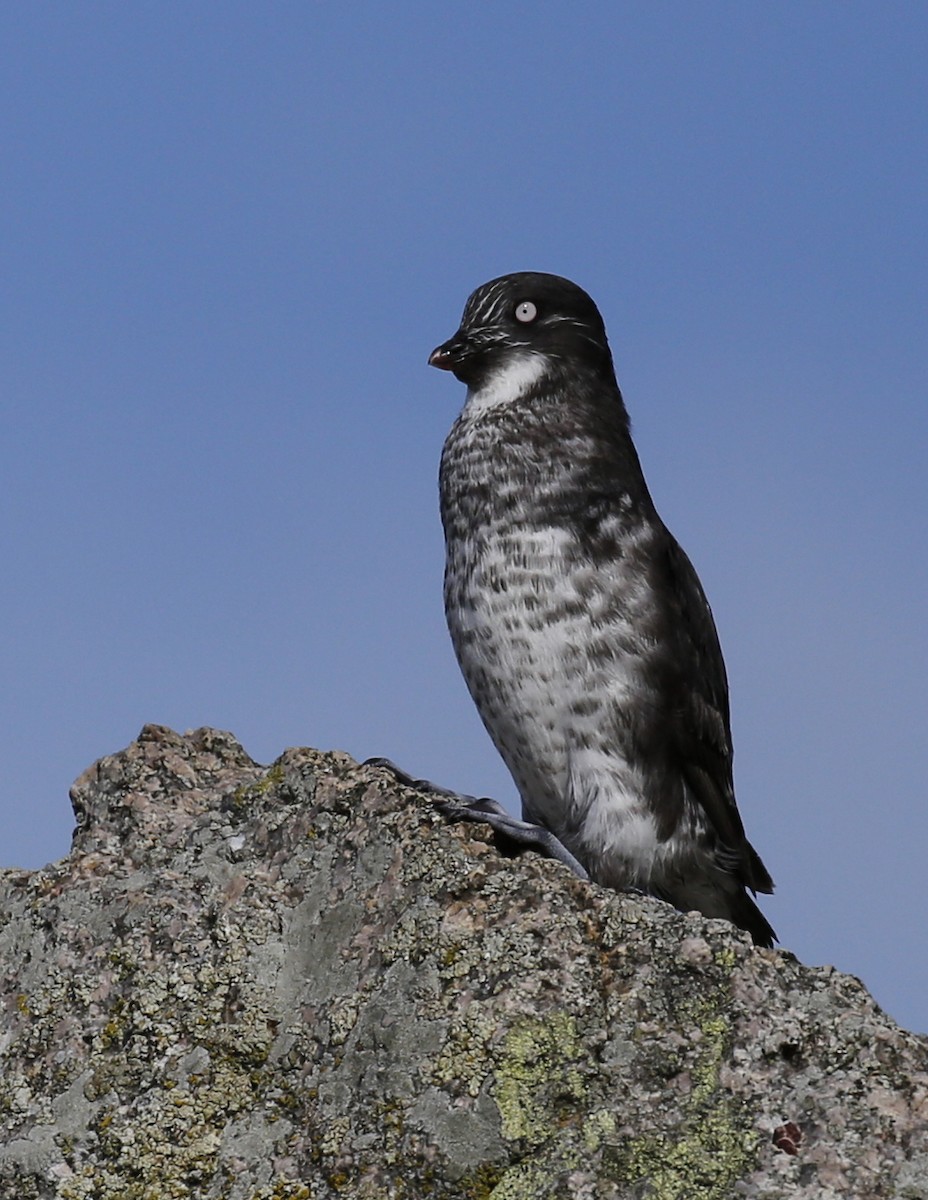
(787, 1137)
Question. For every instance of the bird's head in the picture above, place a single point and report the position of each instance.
(525, 316)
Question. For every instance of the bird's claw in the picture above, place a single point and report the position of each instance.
(421, 785)
(460, 807)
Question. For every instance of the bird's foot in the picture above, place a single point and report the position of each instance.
(511, 830)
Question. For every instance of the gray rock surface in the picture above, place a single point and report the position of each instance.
(299, 983)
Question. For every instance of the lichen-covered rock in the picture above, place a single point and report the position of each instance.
(301, 983)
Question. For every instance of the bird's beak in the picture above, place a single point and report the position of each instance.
(442, 357)
(457, 355)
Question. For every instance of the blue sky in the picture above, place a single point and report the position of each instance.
(231, 235)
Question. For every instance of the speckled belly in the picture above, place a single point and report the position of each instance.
(549, 662)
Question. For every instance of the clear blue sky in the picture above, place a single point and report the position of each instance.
(232, 234)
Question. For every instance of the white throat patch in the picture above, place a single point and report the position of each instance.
(507, 384)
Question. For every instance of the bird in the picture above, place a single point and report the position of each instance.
(580, 626)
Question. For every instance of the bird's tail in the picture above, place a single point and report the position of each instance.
(746, 914)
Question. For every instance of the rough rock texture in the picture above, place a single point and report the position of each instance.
(302, 983)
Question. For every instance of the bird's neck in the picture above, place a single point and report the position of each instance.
(508, 384)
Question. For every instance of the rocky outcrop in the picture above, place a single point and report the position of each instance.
(300, 982)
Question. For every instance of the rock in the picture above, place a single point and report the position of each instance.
(300, 982)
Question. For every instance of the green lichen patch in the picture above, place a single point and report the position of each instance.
(716, 1144)
(524, 1181)
(714, 1151)
(464, 1061)
(538, 1076)
(247, 795)
(167, 1142)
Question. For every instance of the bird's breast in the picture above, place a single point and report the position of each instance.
(548, 633)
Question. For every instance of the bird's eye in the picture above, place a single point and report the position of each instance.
(526, 312)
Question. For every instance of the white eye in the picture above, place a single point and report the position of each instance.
(526, 311)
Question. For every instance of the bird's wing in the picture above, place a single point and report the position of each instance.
(702, 725)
